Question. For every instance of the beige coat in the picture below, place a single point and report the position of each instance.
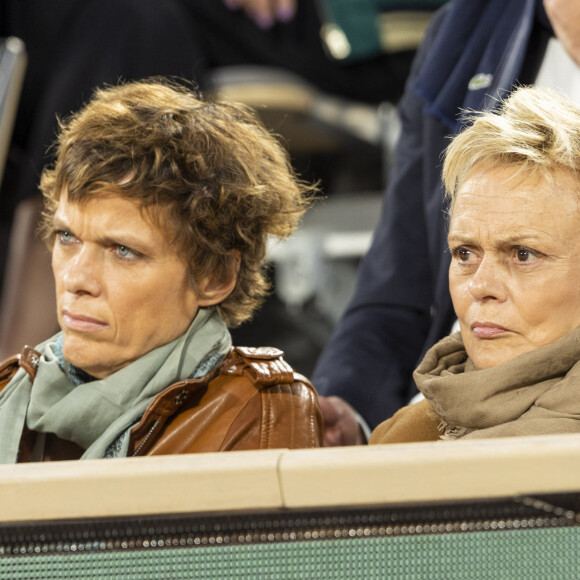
(535, 393)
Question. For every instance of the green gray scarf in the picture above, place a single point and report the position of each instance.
(536, 393)
(97, 415)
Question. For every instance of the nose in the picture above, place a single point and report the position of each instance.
(80, 273)
(487, 283)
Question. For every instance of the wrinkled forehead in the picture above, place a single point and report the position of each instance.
(512, 178)
(503, 198)
(155, 214)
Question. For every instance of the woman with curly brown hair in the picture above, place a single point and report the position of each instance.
(157, 212)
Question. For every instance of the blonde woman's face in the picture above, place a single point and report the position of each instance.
(121, 288)
(515, 270)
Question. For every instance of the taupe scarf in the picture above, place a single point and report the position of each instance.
(536, 393)
(98, 414)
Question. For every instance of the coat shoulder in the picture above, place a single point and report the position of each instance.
(414, 423)
(253, 400)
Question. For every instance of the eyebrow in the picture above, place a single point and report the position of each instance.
(58, 221)
(120, 238)
(513, 238)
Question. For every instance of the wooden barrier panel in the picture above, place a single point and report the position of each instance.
(274, 479)
(504, 508)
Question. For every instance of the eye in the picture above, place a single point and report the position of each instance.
(126, 253)
(64, 237)
(524, 255)
(462, 254)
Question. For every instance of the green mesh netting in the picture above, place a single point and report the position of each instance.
(512, 554)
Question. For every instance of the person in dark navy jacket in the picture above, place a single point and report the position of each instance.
(474, 52)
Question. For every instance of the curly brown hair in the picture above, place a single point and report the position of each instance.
(207, 173)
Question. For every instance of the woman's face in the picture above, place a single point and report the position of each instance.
(515, 268)
(121, 289)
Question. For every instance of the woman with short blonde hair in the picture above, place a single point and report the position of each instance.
(514, 367)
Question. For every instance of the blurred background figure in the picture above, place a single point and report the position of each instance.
(74, 47)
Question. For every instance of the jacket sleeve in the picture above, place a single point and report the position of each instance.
(254, 400)
(278, 416)
(8, 368)
(377, 343)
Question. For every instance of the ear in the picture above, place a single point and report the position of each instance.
(214, 292)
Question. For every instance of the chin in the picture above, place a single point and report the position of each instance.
(82, 363)
(80, 354)
(486, 355)
(493, 358)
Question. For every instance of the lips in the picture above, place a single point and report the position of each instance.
(80, 322)
(487, 330)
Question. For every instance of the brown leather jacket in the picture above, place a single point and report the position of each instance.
(253, 400)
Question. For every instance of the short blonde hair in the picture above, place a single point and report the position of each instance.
(208, 174)
(535, 130)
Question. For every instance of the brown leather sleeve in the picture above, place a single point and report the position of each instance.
(27, 359)
(279, 416)
(255, 401)
(410, 424)
(8, 368)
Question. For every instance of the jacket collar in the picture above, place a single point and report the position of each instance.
(476, 57)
